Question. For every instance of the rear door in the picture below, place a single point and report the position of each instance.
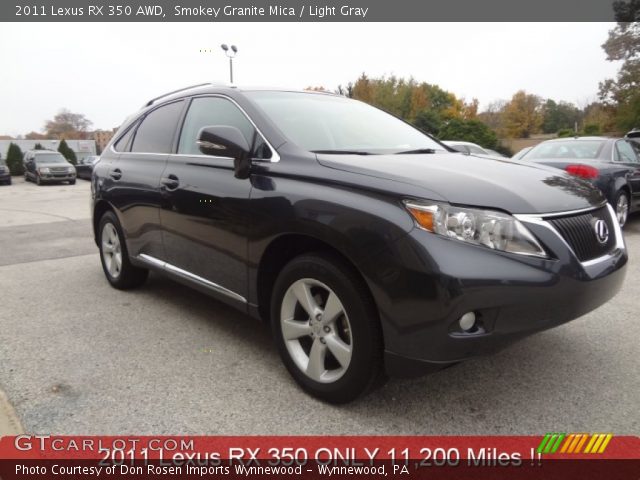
(205, 214)
(135, 178)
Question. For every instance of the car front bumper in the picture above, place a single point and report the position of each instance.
(424, 283)
(52, 177)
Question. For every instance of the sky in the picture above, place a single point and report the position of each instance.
(109, 70)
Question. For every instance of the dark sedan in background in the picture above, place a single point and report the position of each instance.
(5, 175)
(611, 164)
(84, 168)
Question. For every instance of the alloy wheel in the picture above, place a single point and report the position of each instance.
(316, 330)
(622, 209)
(111, 250)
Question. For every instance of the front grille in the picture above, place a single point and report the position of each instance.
(58, 169)
(579, 232)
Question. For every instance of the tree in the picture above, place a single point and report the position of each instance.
(14, 159)
(68, 125)
(66, 152)
(522, 115)
(428, 121)
(623, 45)
(38, 146)
(469, 131)
(556, 116)
(35, 136)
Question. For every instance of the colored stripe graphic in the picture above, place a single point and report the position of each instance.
(573, 442)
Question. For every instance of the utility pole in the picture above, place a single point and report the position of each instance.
(231, 53)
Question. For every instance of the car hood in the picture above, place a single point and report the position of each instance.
(53, 165)
(501, 184)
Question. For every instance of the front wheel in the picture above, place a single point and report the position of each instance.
(117, 268)
(38, 180)
(326, 327)
(72, 182)
(621, 206)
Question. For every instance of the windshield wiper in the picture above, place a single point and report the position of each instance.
(416, 151)
(343, 152)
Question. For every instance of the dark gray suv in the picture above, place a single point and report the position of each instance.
(367, 245)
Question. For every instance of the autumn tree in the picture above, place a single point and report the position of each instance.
(35, 136)
(67, 152)
(14, 159)
(522, 115)
(68, 125)
(623, 45)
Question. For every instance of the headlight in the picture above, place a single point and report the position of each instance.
(495, 230)
(71, 169)
(43, 170)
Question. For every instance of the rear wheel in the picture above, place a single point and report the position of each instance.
(621, 206)
(326, 327)
(117, 268)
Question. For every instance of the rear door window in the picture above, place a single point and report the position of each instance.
(626, 153)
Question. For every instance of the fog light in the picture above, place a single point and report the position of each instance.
(467, 321)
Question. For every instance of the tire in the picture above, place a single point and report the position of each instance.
(72, 182)
(120, 273)
(38, 181)
(26, 177)
(621, 207)
(347, 349)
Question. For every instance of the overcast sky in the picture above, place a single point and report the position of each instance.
(108, 70)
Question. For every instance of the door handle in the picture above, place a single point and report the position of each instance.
(116, 174)
(170, 181)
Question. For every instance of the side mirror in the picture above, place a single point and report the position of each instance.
(462, 149)
(226, 141)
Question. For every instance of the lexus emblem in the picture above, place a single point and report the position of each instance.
(602, 231)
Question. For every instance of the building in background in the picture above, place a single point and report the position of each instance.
(82, 148)
(102, 138)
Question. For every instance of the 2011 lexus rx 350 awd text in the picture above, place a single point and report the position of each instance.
(369, 246)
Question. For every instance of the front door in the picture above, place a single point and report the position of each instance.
(205, 215)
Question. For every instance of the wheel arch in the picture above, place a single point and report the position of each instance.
(280, 251)
(100, 208)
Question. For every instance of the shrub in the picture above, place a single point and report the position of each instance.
(592, 129)
(67, 153)
(14, 159)
(566, 132)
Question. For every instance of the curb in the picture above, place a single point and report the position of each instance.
(9, 421)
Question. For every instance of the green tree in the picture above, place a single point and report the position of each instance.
(66, 152)
(623, 45)
(14, 159)
(428, 121)
(556, 116)
(470, 131)
(38, 146)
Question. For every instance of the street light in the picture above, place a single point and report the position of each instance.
(231, 53)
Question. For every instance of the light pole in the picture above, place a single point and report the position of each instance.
(231, 53)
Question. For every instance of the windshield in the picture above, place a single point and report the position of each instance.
(50, 158)
(568, 149)
(325, 123)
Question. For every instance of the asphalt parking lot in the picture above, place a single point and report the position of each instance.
(78, 357)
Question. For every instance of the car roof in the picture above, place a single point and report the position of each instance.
(213, 87)
(578, 139)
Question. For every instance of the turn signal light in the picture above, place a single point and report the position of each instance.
(582, 171)
(425, 218)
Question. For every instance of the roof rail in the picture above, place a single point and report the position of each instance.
(153, 100)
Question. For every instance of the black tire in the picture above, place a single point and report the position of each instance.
(72, 182)
(129, 276)
(38, 181)
(364, 368)
(622, 218)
